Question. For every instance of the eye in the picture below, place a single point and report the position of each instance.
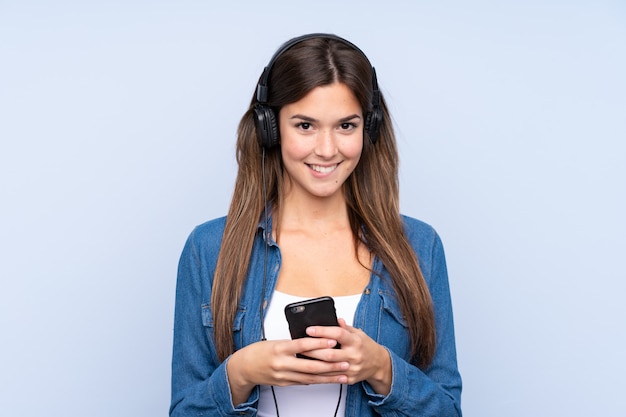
(304, 126)
(347, 126)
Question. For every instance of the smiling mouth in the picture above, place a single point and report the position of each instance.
(323, 169)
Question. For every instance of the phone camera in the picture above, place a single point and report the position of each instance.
(297, 309)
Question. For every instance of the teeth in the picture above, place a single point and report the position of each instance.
(323, 170)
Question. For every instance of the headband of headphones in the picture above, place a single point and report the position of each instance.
(265, 119)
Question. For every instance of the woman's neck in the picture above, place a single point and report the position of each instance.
(314, 214)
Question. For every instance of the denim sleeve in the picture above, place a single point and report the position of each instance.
(199, 381)
(435, 391)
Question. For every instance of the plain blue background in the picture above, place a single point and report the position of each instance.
(117, 126)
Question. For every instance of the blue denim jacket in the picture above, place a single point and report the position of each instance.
(199, 380)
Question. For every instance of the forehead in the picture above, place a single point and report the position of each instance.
(333, 99)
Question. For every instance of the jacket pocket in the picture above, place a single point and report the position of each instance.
(207, 321)
(392, 327)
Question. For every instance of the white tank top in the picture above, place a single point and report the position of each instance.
(302, 400)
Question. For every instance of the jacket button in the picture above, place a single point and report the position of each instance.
(367, 291)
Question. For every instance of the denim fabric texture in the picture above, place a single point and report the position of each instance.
(199, 380)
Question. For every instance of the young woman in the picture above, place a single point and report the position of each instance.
(315, 212)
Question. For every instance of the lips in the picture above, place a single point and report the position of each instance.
(323, 169)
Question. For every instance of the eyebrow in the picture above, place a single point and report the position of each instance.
(312, 120)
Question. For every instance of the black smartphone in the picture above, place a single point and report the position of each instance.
(312, 312)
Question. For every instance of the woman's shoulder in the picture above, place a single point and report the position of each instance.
(428, 247)
(211, 226)
(415, 228)
(422, 236)
(209, 233)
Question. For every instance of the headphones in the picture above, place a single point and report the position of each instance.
(265, 118)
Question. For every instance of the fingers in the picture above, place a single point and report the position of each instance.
(297, 378)
(306, 344)
(338, 333)
(285, 356)
(275, 363)
(291, 348)
(291, 370)
(366, 358)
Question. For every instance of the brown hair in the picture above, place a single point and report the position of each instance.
(371, 192)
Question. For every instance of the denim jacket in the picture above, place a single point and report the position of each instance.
(199, 380)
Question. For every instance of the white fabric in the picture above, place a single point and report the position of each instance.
(302, 400)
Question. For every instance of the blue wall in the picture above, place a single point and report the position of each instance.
(117, 128)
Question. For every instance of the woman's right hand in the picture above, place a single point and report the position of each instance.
(274, 362)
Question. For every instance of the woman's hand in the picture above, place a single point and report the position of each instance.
(274, 362)
(368, 361)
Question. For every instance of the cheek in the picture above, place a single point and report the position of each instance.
(291, 150)
(353, 149)
(353, 154)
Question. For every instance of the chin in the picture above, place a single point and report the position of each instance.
(325, 193)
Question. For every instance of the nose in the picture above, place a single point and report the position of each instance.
(326, 144)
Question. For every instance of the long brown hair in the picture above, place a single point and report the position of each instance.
(372, 193)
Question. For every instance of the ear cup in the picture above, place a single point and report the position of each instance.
(373, 121)
(266, 126)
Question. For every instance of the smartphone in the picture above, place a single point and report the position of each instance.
(313, 312)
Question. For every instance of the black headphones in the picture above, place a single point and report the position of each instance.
(265, 119)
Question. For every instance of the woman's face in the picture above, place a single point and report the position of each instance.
(321, 141)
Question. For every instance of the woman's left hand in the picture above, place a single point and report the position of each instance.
(368, 360)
